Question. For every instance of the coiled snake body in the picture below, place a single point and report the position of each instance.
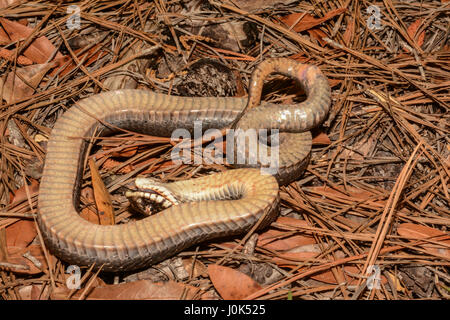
(217, 205)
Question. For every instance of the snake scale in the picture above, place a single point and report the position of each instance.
(212, 206)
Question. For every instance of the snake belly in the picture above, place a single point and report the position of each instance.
(223, 204)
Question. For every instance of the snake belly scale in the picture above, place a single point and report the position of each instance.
(223, 204)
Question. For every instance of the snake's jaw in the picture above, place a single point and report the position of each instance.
(151, 196)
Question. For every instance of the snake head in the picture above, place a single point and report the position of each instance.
(151, 196)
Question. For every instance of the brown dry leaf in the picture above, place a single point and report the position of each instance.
(321, 139)
(141, 290)
(416, 231)
(318, 35)
(349, 31)
(87, 194)
(300, 57)
(125, 152)
(110, 164)
(60, 293)
(40, 292)
(34, 264)
(361, 149)
(3, 250)
(240, 89)
(396, 282)
(230, 245)
(412, 30)
(292, 259)
(20, 234)
(353, 193)
(308, 21)
(33, 292)
(88, 213)
(328, 277)
(39, 51)
(334, 82)
(6, 3)
(15, 89)
(199, 269)
(9, 55)
(4, 38)
(230, 283)
(21, 193)
(293, 249)
(348, 194)
(162, 165)
(101, 196)
(269, 240)
(23, 21)
(89, 57)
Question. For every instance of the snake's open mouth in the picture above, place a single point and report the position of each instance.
(147, 202)
(151, 196)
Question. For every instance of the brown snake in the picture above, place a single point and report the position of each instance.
(217, 205)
